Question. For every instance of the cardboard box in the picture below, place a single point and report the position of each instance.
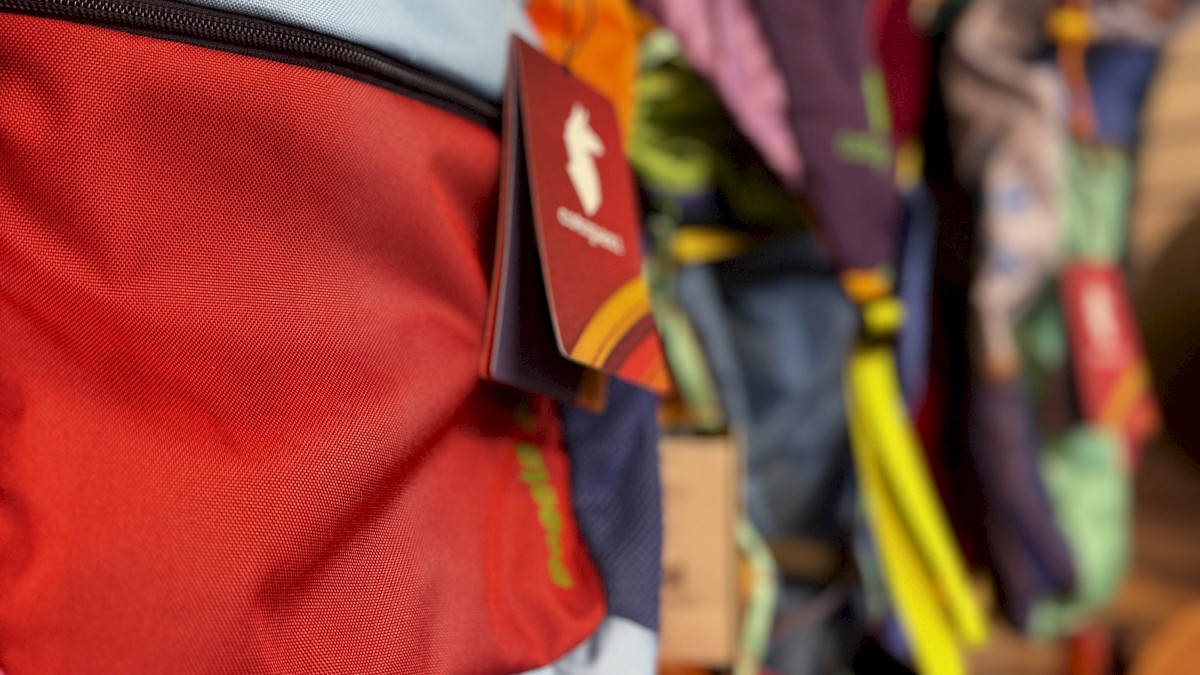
(699, 622)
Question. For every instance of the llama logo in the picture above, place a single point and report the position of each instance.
(583, 147)
(1100, 317)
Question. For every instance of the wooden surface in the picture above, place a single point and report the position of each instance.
(1165, 580)
(1166, 192)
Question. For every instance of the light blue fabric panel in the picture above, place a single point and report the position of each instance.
(464, 40)
(619, 647)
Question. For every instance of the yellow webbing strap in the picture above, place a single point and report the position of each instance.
(922, 565)
(884, 419)
(701, 244)
(913, 594)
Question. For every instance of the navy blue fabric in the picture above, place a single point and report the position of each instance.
(777, 329)
(1021, 580)
(1028, 550)
(915, 288)
(617, 497)
(792, 328)
(1119, 76)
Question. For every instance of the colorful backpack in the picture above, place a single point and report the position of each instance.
(244, 255)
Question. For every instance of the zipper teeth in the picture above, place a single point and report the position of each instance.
(198, 22)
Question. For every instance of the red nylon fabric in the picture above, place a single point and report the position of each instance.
(240, 425)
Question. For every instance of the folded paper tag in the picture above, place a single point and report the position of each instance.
(568, 297)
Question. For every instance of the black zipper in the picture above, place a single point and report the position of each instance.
(266, 39)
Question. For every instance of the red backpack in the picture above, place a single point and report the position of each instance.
(243, 270)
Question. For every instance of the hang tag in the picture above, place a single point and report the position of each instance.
(568, 299)
(1110, 368)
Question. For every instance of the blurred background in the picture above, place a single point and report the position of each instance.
(926, 274)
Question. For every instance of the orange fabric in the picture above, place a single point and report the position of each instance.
(605, 56)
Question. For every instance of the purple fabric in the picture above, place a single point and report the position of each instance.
(822, 50)
(723, 41)
(1029, 553)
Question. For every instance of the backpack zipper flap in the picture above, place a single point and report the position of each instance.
(265, 39)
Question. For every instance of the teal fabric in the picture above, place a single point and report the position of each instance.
(1092, 503)
(1096, 201)
(1042, 337)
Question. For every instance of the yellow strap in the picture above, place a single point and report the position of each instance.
(913, 593)
(883, 317)
(910, 162)
(699, 244)
(884, 419)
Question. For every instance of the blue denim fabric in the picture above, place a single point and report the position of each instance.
(778, 332)
(777, 329)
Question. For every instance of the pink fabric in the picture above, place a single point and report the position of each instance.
(724, 42)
